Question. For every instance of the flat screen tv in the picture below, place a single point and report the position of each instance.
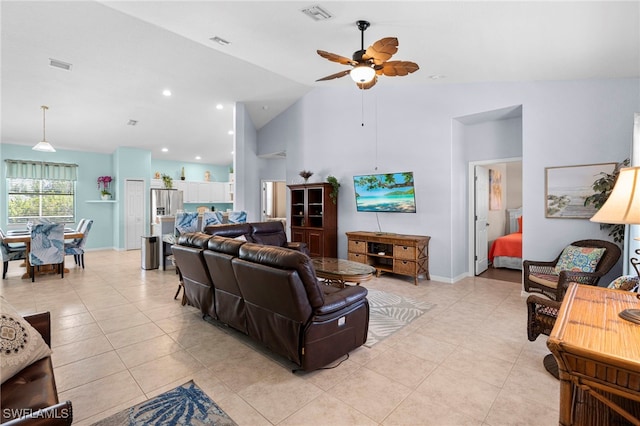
(385, 192)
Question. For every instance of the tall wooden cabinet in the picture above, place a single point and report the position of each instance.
(314, 218)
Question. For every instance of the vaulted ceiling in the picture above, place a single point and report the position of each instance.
(125, 53)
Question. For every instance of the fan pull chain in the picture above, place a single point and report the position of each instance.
(362, 97)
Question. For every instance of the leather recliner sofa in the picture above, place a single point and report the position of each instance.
(273, 295)
(267, 233)
(30, 397)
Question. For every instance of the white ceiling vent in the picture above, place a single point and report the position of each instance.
(132, 122)
(220, 40)
(60, 64)
(317, 13)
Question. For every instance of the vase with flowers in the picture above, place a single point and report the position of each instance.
(104, 182)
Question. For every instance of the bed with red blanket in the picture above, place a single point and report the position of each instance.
(506, 251)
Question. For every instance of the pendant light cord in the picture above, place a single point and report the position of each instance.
(44, 135)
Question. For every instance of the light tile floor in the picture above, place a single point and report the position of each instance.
(120, 338)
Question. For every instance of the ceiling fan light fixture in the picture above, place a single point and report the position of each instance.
(43, 145)
(362, 74)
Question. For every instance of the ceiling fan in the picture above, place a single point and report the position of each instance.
(369, 64)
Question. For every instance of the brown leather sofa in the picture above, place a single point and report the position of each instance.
(273, 295)
(267, 233)
(30, 397)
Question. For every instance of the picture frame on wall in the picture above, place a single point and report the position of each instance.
(567, 187)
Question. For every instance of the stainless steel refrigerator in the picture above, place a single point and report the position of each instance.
(164, 203)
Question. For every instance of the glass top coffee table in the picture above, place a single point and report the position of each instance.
(337, 272)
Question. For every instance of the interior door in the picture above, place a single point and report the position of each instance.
(134, 214)
(481, 219)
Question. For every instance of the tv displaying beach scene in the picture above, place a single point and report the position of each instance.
(385, 192)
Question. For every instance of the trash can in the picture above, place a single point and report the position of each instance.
(150, 259)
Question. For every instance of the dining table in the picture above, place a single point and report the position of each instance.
(24, 236)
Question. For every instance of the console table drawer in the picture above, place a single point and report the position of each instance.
(404, 267)
(404, 252)
(357, 257)
(356, 246)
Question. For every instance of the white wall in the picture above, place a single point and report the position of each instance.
(411, 129)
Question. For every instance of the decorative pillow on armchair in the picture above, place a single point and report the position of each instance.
(20, 343)
(579, 259)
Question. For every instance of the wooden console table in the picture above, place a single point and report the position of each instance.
(396, 253)
(598, 356)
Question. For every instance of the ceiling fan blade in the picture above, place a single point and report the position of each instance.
(336, 75)
(367, 85)
(381, 50)
(337, 58)
(398, 68)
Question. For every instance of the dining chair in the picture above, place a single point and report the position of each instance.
(76, 248)
(186, 222)
(9, 252)
(47, 247)
(211, 218)
(238, 217)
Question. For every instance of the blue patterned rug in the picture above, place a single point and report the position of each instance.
(389, 312)
(184, 405)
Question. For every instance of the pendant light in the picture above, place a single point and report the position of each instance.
(44, 145)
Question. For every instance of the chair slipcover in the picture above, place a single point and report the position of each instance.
(211, 218)
(186, 222)
(47, 246)
(76, 248)
(238, 217)
(8, 252)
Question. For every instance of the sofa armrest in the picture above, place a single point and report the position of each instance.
(60, 414)
(299, 246)
(42, 323)
(336, 299)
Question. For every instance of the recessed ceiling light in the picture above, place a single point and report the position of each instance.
(230, 132)
(265, 107)
(165, 149)
(198, 157)
(166, 92)
(220, 41)
(60, 64)
(233, 152)
(219, 106)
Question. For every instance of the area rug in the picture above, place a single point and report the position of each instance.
(389, 312)
(184, 405)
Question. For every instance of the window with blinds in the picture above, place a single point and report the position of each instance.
(40, 190)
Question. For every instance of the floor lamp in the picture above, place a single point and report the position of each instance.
(623, 207)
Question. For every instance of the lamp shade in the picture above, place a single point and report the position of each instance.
(362, 74)
(44, 146)
(623, 204)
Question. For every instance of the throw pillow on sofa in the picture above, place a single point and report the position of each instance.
(579, 259)
(20, 343)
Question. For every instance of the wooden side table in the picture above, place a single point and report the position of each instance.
(598, 355)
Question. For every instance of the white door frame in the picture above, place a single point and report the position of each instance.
(125, 209)
(471, 206)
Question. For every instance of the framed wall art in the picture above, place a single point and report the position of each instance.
(566, 189)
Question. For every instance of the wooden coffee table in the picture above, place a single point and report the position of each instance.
(337, 272)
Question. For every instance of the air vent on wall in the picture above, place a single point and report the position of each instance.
(220, 40)
(60, 64)
(317, 13)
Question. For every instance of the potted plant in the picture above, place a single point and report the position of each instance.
(168, 181)
(104, 182)
(602, 188)
(336, 188)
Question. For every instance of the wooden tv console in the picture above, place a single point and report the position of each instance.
(396, 253)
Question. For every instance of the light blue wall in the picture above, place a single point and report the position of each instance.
(411, 128)
(90, 167)
(124, 163)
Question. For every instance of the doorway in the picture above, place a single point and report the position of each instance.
(274, 201)
(134, 211)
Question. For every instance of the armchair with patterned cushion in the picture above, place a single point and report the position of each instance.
(583, 262)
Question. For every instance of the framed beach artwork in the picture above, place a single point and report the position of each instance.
(566, 188)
